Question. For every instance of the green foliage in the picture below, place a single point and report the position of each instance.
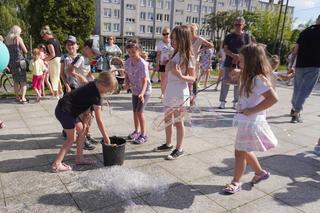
(68, 17)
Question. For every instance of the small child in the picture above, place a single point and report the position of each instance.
(137, 77)
(46, 81)
(274, 62)
(37, 68)
(254, 133)
(181, 71)
(205, 65)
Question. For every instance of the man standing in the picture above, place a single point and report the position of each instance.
(307, 54)
(232, 44)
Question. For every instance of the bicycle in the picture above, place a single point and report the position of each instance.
(6, 81)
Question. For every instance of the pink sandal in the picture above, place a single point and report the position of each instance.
(85, 161)
(62, 167)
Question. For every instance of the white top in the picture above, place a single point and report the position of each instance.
(82, 66)
(261, 86)
(177, 90)
(166, 50)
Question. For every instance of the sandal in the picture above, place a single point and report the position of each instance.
(232, 188)
(263, 176)
(24, 101)
(62, 167)
(85, 161)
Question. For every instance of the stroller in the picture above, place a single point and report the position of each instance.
(117, 67)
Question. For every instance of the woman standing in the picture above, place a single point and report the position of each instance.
(17, 63)
(111, 49)
(53, 59)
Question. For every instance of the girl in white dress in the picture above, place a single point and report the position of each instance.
(180, 70)
(254, 133)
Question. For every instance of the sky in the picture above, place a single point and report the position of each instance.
(305, 10)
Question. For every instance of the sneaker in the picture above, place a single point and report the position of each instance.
(141, 139)
(175, 154)
(262, 176)
(134, 135)
(88, 145)
(296, 118)
(291, 112)
(163, 148)
(92, 139)
(317, 149)
(222, 105)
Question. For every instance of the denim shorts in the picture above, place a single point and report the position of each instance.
(67, 121)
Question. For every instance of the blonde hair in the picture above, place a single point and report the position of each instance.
(144, 55)
(183, 39)
(256, 64)
(45, 30)
(14, 32)
(36, 53)
(274, 62)
(107, 79)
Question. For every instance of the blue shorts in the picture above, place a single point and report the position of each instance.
(67, 121)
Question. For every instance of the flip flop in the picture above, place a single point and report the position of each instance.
(62, 167)
(85, 161)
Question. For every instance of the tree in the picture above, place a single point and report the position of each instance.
(68, 17)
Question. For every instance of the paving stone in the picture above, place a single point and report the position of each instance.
(266, 204)
(40, 121)
(33, 179)
(300, 195)
(182, 199)
(212, 187)
(52, 199)
(15, 124)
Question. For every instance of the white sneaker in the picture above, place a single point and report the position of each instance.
(222, 105)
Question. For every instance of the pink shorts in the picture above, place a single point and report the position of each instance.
(37, 81)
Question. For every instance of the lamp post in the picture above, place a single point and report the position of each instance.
(278, 24)
(283, 26)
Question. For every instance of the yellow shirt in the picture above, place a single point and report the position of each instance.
(37, 67)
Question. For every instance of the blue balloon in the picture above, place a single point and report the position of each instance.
(4, 56)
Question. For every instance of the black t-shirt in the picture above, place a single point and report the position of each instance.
(80, 100)
(234, 43)
(56, 45)
(309, 47)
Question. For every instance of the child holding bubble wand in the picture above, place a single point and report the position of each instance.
(254, 133)
(181, 71)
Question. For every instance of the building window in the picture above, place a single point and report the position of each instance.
(194, 20)
(210, 9)
(203, 21)
(232, 3)
(167, 5)
(220, 4)
(195, 8)
(143, 3)
(107, 1)
(166, 17)
(107, 27)
(180, 12)
(142, 29)
(116, 27)
(150, 16)
(107, 12)
(189, 7)
(150, 29)
(188, 19)
(130, 6)
(116, 13)
(160, 4)
(204, 9)
(116, 1)
(178, 23)
(159, 17)
(158, 30)
(151, 3)
(130, 20)
(143, 16)
(129, 33)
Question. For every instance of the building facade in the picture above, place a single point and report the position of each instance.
(145, 19)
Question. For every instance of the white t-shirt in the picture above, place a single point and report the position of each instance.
(166, 50)
(82, 66)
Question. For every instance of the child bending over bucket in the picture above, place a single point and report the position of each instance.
(74, 104)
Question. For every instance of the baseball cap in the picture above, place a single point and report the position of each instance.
(89, 43)
(71, 39)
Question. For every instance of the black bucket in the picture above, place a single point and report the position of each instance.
(113, 154)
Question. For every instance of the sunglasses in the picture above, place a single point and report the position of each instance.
(237, 25)
(165, 34)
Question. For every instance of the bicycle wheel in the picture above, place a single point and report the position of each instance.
(8, 85)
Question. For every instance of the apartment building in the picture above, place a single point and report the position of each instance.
(145, 19)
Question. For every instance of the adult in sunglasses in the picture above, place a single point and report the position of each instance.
(232, 44)
(111, 49)
(164, 51)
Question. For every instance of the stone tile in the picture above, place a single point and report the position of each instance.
(266, 204)
(18, 144)
(41, 121)
(11, 133)
(52, 199)
(38, 114)
(15, 124)
(182, 199)
(306, 155)
(301, 195)
(136, 205)
(39, 178)
(182, 167)
(10, 117)
(194, 145)
(219, 159)
(212, 187)
(296, 138)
